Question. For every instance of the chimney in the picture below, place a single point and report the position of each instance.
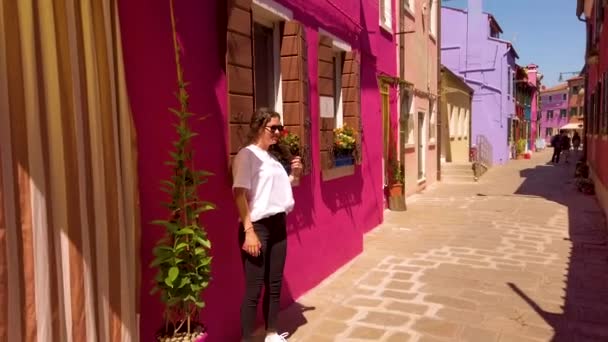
(532, 70)
(477, 31)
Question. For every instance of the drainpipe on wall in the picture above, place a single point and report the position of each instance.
(438, 135)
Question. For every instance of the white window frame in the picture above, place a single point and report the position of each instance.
(466, 123)
(411, 141)
(386, 15)
(452, 110)
(433, 18)
(433, 123)
(408, 5)
(338, 98)
(461, 114)
(271, 14)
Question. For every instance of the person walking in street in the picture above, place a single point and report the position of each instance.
(263, 196)
(576, 141)
(566, 145)
(557, 147)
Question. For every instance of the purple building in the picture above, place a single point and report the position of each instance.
(472, 49)
(554, 110)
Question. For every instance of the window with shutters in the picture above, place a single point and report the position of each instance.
(339, 104)
(406, 135)
(573, 111)
(563, 113)
(266, 78)
(266, 66)
(386, 17)
(407, 118)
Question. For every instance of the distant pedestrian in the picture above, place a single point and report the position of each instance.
(565, 140)
(556, 143)
(576, 141)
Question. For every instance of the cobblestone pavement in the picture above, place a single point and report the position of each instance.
(520, 256)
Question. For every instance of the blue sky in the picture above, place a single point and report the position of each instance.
(544, 32)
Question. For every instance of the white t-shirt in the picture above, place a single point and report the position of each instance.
(269, 187)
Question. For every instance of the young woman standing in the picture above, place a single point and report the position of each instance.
(263, 196)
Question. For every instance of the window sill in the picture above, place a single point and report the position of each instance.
(338, 172)
(422, 180)
(432, 142)
(433, 37)
(409, 12)
(409, 147)
(386, 28)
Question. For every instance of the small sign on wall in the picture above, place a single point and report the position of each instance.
(327, 107)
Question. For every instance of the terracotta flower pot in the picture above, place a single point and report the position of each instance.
(396, 200)
(395, 190)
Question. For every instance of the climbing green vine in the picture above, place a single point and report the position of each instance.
(182, 256)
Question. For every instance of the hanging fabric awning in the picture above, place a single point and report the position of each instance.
(572, 126)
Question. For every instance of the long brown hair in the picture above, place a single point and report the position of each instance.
(260, 119)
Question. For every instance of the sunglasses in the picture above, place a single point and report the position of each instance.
(275, 128)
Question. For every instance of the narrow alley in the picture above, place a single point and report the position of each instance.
(520, 256)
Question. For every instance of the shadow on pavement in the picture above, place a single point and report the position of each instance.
(584, 315)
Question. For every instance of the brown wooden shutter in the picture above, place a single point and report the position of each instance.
(239, 72)
(326, 88)
(351, 94)
(294, 75)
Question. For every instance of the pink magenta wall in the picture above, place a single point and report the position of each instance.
(326, 229)
(597, 144)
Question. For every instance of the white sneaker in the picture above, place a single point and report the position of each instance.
(276, 337)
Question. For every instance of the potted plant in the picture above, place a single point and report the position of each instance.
(345, 142)
(182, 257)
(521, 148)
(396, 186)
(286, 149)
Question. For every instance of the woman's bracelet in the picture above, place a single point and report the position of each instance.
(248, 228)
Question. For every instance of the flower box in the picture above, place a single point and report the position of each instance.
(344, 161)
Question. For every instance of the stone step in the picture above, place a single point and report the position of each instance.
(457, 178)
(456, 166)
(456, 172)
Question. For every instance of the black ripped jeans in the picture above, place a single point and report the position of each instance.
(264, 270)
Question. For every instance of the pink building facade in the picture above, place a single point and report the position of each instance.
(596, 94)
(554, 110)
(419, 47)
(334, 206)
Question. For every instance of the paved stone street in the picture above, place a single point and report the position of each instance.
(520, 256)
